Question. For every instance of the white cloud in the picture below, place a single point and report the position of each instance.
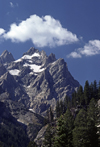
(90, 49)
(11, 4)
(74, 55)
(43, 31)
(2, 31)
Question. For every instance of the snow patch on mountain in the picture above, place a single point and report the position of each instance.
(32, 110)
(28, 57)
(34, 67)
(19, 60)
(14, 72)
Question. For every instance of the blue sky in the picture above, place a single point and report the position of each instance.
(69, 29)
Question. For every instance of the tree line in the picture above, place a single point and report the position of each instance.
(77, 121)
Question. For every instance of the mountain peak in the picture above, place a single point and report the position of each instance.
(37, 80)
(52, 57)
(4, 53)
(6, 57)
(31, 51)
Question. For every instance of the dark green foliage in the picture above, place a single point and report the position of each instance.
(48, 139)
(1, 144)
(88, 126)
(93, 110)
(83, 106)
(86, 93)
(32, 144)
(67, 103)
(80, 136)
(59, 108)
(11, 131)
(91, 91)
(74, 99)
(12, 134)
(61, 136)
(50, 115)
(83, 97)
(92, 114)
(69, 123)
(95, 90)
(99, 91)
(65, 126)
(80, 96)
(85, 131)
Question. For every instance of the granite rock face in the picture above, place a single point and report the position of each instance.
(37, 80)
(2, 69)
(6, 57)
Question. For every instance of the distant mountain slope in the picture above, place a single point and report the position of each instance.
(18, 125)
(11, 130)
(37, 80)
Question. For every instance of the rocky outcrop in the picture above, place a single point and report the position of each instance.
(2, 69)
(37, 80)
(40, 136)
(6, 57)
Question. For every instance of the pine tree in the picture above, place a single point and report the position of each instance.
(95, 90)
(80, 137)
(61, 136)
(80, 96)
(67, 102)
(86, 92)
(32, 144)
(91, 91)
(60, 108)
(74, 103)
(57, 109)
(99, 91)
(69, 122)
(50, 115)
(92, 123)
(48, 139)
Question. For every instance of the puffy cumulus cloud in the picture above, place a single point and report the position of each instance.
(43, 31)
(2, 31)
(74, 55)
(90, 49)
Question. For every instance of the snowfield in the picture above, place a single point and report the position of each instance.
(14, 72)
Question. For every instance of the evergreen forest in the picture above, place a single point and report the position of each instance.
(77, 122)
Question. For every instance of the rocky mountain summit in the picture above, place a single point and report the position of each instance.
(6, 57)
(28, 87)
(36, 80)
